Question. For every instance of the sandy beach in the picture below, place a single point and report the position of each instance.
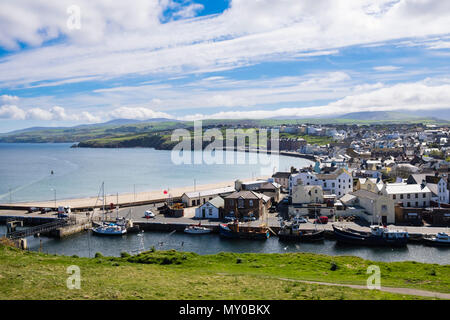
(128, 197)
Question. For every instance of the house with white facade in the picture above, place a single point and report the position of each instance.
(338, 183)
(409, 195)
(436, 184)
(211, 209)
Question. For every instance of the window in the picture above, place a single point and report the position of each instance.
(408, 196)
(409, 204)
(333, 184)
(417, 195)
(384, 208)
(423, 195)
(394, 196)
(417, 203)
(401, 196)
(241, 203)
(251, 203)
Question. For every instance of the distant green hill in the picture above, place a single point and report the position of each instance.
(156, 132)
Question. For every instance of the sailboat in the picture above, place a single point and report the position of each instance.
(109, 228)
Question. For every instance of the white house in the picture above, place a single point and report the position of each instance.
(436, 184)
(338, 183)
(410, 195)
(211, 209)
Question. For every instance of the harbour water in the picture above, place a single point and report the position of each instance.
(86, 244)
(26, 171)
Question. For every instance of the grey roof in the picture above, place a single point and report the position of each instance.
(365, 194)
(217, 202)
(281, 175)
(210, 192)
(248, 195)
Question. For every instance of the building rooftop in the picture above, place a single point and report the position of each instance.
(395, 188)
(211, 192)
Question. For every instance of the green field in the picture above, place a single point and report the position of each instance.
(178, 275)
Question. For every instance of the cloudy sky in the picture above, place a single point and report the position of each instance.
(196, 59)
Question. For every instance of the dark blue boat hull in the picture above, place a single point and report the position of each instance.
(358, 239)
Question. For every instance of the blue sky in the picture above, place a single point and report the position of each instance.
(192, 59)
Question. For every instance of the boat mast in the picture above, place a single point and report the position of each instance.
(104, 200)
(117, 205)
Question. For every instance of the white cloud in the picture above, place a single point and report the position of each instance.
(118, 39)
(423, 95)
(12, 112)
(386, 68)
(8, 99)
(139, 113)
(55, 113)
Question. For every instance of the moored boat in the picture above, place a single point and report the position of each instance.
(378, 236)
(441, 239)
(293, 234)
(110, 229)
(236, 231)
(197, 229)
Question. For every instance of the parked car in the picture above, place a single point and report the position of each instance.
(300, 220)
(46, 210)
(321, 220)
(149, 214)
(230, 218)
(33, 209)
(273, 209)
(249, 218)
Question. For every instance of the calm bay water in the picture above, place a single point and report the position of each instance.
(25, 169)
(86, 244)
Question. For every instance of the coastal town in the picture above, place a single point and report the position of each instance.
(390, 176)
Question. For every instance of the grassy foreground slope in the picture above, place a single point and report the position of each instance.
(175, 275)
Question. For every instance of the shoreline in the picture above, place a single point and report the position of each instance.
(126, 198)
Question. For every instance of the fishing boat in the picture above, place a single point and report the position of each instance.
(440, 239)
(377, 236)
(110, 229)
(293, 233)
(236, 231)
(197, 229)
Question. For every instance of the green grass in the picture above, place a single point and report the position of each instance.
(178, 275)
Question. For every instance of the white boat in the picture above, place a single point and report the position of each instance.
(197, 229)
(110, 229)
(440, 239)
